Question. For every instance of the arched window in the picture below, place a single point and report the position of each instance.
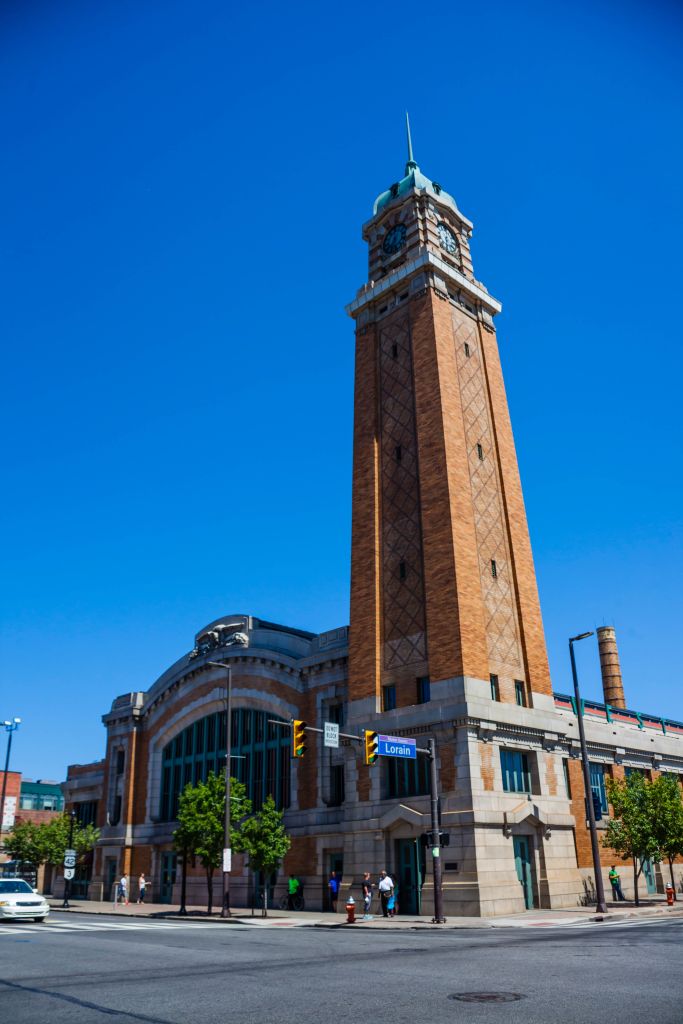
(260, 758)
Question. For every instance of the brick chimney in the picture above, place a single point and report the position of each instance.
(612, 684)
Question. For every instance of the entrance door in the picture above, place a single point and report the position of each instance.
(523, 866)
(169, 859)
(109, 877)
(649, 876)
(335, 863)
(410, 876)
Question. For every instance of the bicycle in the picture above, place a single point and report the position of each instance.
(297, 902)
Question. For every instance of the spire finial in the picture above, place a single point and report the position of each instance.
(411, 165)
(410, 141)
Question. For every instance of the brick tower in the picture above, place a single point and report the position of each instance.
(442, 579)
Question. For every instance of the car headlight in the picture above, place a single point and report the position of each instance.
(4, 903)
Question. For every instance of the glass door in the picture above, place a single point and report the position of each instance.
(169, 859)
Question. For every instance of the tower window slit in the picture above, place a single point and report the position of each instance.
(399, 453)
(480, 453)
(467, 350)
(401, 570)
(394, 351)
(494, 568)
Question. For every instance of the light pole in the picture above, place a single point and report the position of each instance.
(67, 881)
(11, 728)
(597, 869)
(225, 909)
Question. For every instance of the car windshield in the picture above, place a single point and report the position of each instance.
(15, 885)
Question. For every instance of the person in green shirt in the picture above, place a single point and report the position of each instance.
(617, 894)
(293, 887)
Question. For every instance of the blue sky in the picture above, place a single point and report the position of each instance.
(183, 191)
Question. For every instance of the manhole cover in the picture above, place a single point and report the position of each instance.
(487, 997)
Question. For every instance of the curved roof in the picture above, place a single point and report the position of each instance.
(413, 178)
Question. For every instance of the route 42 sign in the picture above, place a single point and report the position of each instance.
(69, 858)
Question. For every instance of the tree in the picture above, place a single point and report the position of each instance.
(631, 832)
(667, 808)
(46, 843)
(55, 839)
(23, 844)
(201, 823)
(264, 840)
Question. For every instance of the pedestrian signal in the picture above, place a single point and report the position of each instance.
(298, 738)
(371, 745)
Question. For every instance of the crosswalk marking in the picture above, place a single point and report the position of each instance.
(51, 927)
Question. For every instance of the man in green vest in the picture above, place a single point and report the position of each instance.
(617, 894)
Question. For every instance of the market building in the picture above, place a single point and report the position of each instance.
(445, 641)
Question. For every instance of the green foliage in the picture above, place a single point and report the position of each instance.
(201, 822)
(46, 843)
(632, 832)
(264, 840)
(23, 844)
(667, 810)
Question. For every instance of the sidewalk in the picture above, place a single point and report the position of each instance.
(318, 919)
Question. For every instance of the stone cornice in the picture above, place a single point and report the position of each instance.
(425, 259)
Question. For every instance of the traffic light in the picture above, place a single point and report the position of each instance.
(298, 738)
(371, 745)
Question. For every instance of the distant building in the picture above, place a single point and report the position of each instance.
(40, 795)
(446, 641)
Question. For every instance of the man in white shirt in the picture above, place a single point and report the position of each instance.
(386, 887)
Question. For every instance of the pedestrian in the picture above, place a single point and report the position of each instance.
(367, 894)
(393, 899)
(293, 887)
(142, 886)
(615, 882)
(333, 886)
(122, 893)
(386, 889)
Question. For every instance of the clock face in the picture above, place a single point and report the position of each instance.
(447, 239)
(395, 239)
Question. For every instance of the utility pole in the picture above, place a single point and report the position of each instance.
(597, 868)
(227, 853)
(436, 837)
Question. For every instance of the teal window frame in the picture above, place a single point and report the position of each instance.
(389, 697)
(424, 691)
(405, 776)
(520, 695)
(565, 772)
(261, 758)
(495, 689)
(514, 765)
(597, 776)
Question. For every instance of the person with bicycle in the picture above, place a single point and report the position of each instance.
(292, 892)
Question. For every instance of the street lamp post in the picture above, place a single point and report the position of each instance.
(11, 728)
(597, 869)
(225, 909)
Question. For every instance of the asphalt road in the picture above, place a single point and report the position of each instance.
(172, 973)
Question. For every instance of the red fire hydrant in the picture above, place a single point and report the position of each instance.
(350, 910)
(670, 894)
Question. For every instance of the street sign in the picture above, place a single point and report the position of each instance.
(330, 734)
(396, 746)
(69, 873)
(227, 859)
(69, 860)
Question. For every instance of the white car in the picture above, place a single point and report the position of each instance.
(18, 900)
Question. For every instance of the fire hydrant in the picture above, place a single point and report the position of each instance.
(350, 910)
(670, 894)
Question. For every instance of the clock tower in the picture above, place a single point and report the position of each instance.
(443, 590)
